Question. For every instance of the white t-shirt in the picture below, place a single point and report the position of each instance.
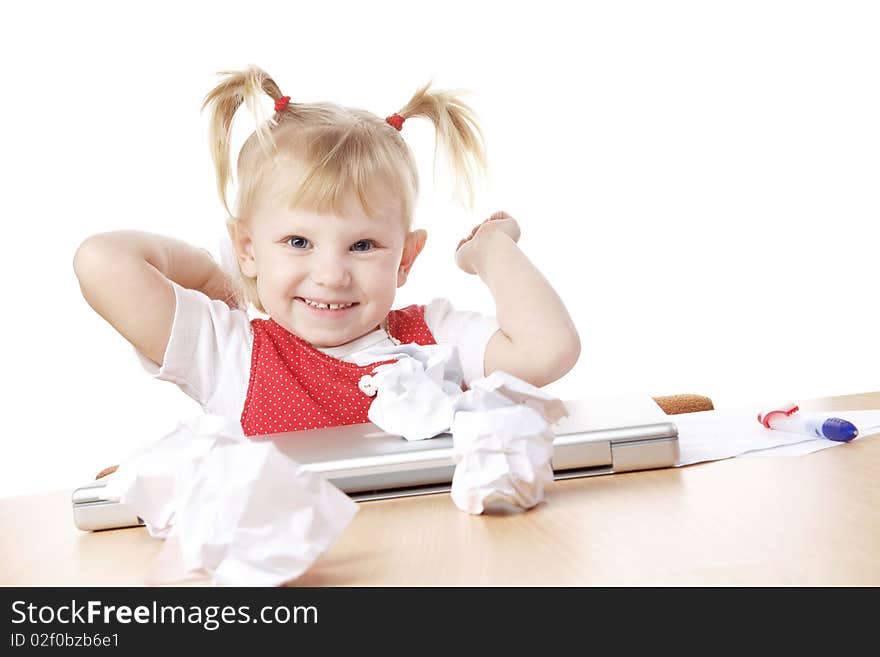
(209, 351)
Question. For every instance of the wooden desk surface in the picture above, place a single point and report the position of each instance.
(805, 520)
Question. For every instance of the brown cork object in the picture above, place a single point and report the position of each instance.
(671, 405)
(106, 471)
(675, 404)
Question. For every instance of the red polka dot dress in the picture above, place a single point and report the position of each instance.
(294, 386)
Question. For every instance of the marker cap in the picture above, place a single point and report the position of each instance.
(835, 428)
(764, 418)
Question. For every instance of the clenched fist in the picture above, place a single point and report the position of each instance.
(471, 246)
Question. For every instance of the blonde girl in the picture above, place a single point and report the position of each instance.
(322, 231)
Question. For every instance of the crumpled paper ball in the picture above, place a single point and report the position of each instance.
(418, 391)
(240, 511)
(503, 457)
(502, 438)
(151, 479)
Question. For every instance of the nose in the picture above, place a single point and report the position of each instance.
(330, 271)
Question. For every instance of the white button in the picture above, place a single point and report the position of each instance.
(367, 385)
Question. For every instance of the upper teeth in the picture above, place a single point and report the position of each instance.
(331, 306)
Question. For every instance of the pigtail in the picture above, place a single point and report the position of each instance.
(237, 87)
(458, 134)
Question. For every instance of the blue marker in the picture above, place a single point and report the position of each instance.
(818, 425)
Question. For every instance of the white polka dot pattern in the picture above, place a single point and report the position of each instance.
(294, 387)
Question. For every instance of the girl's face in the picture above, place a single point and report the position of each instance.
(301, 259)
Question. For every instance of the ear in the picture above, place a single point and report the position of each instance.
(412, 247)
(243, 247)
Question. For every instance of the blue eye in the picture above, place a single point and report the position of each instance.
(367, 242)
(297, 242)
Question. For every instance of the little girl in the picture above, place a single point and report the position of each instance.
(322, 235)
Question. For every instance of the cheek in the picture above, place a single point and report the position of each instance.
(275, 275)
(381, 277)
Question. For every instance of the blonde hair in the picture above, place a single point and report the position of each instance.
(332, 153)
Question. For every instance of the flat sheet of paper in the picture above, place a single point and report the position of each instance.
(720, 434)
(867, 421)
(709, 435)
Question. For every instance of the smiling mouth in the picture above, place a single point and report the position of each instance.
(327, 306)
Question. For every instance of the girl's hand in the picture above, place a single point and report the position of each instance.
(471, 246)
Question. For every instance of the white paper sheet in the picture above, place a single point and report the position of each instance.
(709, 435)
(720, 434)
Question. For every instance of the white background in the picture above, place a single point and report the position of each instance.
(698, 181)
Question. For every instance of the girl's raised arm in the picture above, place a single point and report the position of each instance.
(537, 340)
(125, 276)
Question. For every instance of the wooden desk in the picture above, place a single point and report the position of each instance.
(807, 520)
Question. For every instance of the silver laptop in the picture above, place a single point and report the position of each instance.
(369, 464)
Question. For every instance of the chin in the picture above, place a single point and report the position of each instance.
(327, 338)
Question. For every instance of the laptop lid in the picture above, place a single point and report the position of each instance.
(368, 463)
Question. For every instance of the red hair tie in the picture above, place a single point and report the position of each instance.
(281, 103)
(396, 120)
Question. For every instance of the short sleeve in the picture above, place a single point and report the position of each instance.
(469, 330)
(208, 354)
